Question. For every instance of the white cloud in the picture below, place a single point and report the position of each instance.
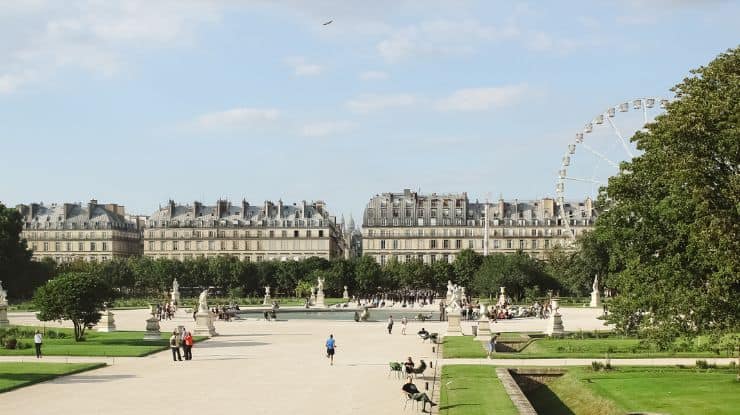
(441, 37)
(237, 118)
(482, 99)
(303, 68)
(373, 76)
(373, 102)
(90, 35)
(323, 129)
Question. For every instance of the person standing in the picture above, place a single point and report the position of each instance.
(404, 322)
(175, 346)
(492, 344)
(331, 345)
(188, 341)
(390, 324)
(37, 341)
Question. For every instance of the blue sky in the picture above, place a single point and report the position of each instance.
(137, 102)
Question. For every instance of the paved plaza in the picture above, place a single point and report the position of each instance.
(259, 367)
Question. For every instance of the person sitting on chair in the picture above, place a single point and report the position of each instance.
(415, 394)
(409, 365)
(423, 333)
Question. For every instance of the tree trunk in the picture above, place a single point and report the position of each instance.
(79, 330)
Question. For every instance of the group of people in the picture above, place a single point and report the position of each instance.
(404, 323)
(165, 311)
(406, 298)
(181, 339)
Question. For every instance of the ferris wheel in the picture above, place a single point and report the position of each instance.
(595, 153)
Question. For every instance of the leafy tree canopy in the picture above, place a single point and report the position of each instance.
(671, 220)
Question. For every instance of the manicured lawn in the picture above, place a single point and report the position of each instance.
(473, 390)
(119, 343)
(662, 390)
(17, 375)
(461, 347)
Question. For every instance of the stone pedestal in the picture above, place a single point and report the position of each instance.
(4, 316)
(453, 323)
(555, 321)
(320, 299)
(484, 326)
(107, 323)
(152, 329)
(176, 298)
(266, 300)
(595, 299)
(204, 324)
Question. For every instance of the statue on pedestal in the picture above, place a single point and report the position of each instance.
(3, 295)
(203, 302)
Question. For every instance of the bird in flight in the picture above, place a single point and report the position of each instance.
(327, 23)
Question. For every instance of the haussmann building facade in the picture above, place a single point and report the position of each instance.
(267, 232)
(76, 231)
(434, 227)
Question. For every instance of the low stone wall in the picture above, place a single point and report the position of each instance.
(515, 393)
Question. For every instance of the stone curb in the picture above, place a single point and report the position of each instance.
(515, 393)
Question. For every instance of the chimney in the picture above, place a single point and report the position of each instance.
(196, 209)
(245, 206)
(266, 209)
(589, 207)
(68, 210)
(320, 206)
(91, 207)
(501, 208)
(221, 208)
(171, 210)
(280, 208)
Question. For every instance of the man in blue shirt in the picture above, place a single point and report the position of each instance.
(330, 346)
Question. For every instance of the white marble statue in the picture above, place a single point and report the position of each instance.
(320, 286)
(456, 300)
(267, 290)
(203, 302)
(595, 286)
(3, 294)
(175, 286)
(450, 288)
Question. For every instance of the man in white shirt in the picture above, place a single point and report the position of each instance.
(37, 340)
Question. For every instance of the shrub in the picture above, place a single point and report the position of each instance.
(703, 364)
(597, 366)
(11, 343)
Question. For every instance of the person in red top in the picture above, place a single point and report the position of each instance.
(188, 346)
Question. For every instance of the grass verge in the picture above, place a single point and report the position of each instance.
(61, 342)
(658, 389)
(473, 390)
(17, 375)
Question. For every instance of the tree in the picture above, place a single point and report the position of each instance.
(14, 254)
(368, 275)
(671, 223)
(74, 296)
(466, 265)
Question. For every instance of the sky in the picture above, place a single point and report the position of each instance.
(137, 102)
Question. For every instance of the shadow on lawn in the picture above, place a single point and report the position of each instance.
(545, 401)
(442, 408)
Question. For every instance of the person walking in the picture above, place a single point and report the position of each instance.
(37, 341)
(175, 346)
(331, 345)
(390, 324)
(404, 322)
(188, 341)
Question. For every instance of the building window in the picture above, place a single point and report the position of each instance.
(509, 244)
(496, 244)
(433, 244)
(161, 246)
(547, 243)
(458, 244)
(446, 244)
(382, 260)
(321, 234)
(308, 234)
(295, 234)
(105, 246)
(283, 234)
(57, 247)
(174, 245)
(521, 244)
(382, 244)
(470, 244)
(187, 245)
(92, 246)
(534, 244)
